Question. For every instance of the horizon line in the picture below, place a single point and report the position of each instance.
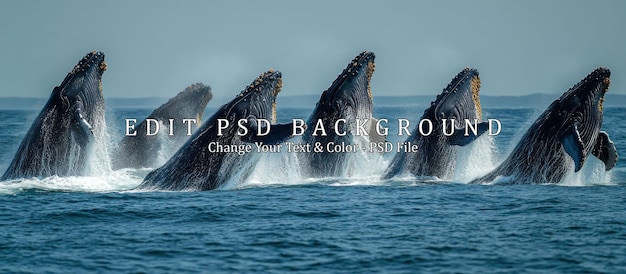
(310, 94)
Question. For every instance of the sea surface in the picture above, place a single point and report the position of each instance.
(277, 221)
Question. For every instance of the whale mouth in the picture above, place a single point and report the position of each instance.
(94, 59)
(90, 67)
(370, 71)
(475, 87)
(198, 96)
(590, 90)
(352, 85)
(259, 98)
(82, 87)
(460, 99)
(277, 88)
(267, 81)
(193, 99)
(606, 82)
(103, 66)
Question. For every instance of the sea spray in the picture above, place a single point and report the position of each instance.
(285, 168)
(166, 147)
(475, 159)
(592, 173)
(276, 169)
(120, 180)
(99, 160)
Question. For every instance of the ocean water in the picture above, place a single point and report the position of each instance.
(277, 221)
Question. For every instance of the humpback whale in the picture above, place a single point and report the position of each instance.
(61, 139)
(195, 168)
(141, 150)
(564, 135)
(348, 99)
(436, 154)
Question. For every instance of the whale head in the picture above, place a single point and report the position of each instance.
(189, 103)
(459, 100)
(582, 105)
(81, 90)
(351, 92)
(257, 100)
(576, 118)
(64, 133)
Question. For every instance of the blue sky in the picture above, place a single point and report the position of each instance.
(156, 48)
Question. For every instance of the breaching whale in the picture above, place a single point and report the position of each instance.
(565, 134)
(195, 168)
(142, 150)
(345, 103)
(436, 154)
(61, 139)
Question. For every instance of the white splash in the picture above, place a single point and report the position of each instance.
(98, 160)
(284, 168)
(592, 173)
(120, 180)
(475, 159)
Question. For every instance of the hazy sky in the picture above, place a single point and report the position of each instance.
(157, 48)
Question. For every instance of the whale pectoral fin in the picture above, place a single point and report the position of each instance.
(83, 129)
(573, 145)
(459, 138)
(373, 133)
(276, 134)
(604, 149)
